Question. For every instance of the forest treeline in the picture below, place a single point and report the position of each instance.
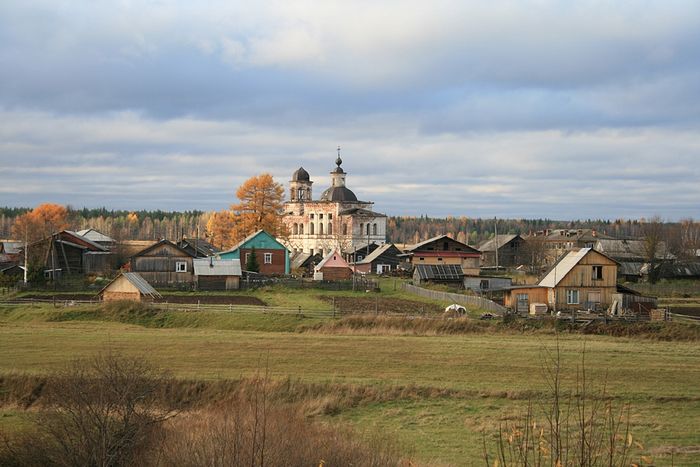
(152, 225)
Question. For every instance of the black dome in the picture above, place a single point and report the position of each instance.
(300, 175)
(338, 193)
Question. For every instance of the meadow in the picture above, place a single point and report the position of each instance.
(436, 394)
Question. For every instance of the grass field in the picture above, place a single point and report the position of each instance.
(491, 375)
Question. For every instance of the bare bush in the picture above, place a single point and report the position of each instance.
(102, 411)
(250, 431)
(580, 426)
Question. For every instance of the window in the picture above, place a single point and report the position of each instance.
(330, 217)
(320, 228)
(374, 229)
(247, 258)
(345, 229)
(311, 216)
(597, 273)
(367, 229)
(439, 259)
(311, 228)
(445, 246)
(330, 229)
(268, 258)
(572, 297)
(301, 229)
(320, 216)
(181, 266)
(484, 284)
(421, 259)
(295, 229)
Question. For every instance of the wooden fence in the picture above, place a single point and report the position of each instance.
(470, 300)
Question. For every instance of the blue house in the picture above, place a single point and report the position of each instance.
(272, 256)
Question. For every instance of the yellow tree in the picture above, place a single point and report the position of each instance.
(41, 222)
(221, 229)
(260, 207)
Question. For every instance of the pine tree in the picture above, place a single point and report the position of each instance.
(251, 264)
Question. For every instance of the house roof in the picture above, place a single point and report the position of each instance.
(418, 246)
(500, 240)
(162, 242)
(328, 257)
(628, 249)
(216, 267)
(249, 238)
(12, 248)
(91, 244)
(137, 281)
(377, 253)
(563, 267)
(565, 264)
(444, 272)
(200, 245)
(95, 236)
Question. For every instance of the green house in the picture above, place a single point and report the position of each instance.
(272, 256)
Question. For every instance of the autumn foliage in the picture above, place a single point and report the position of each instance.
(41, 222)
(261, 202)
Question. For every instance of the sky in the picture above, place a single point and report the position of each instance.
(520, 109)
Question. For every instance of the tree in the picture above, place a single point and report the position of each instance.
(40, 222)
(222, 229)
(251, 264)
(653, 230)
(260, 207)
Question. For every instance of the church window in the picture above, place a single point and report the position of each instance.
(320, 228)
(362, 227)
(345, 229)
(330, 229)
(330, 217)
(374, 229)
(311, 227)
(301, 229)
(311, 216)
(367, 229)
(295, 229)
(320, 216)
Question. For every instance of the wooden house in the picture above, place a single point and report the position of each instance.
(272, 256)
(333, 268)
(164, 264)
(129, 286)
(217, 274)
(445, 250)
(502, 251)
(582, 279)
(67, 253)
(381, 260)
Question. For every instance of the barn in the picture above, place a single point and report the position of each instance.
(129, 286)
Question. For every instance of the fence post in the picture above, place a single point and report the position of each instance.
(333, 307)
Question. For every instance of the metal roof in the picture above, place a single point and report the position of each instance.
(443, 272)
(216, 267)
(95, 236)
(563, 267)
(361, 212)
(137, 281)
(500, 240)
(329, 256)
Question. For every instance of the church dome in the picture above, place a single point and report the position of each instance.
(300, 175)
(338, 193)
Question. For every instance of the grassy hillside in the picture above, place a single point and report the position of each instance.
(435, 393)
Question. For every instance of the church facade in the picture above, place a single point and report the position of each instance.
(337, 220)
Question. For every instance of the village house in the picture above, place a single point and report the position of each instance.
(631, 255)
(217, 274)
(582, 279)
(198, 247)
(443, 250)
(164, 264)
(272, 256)
(335, 221)
(502, 251)
(129, 286)
(445, 274)
(333, 268)
(381, 260)
(67, 253)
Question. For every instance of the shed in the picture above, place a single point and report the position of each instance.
(333, 268)
(450, 274)
(164, 264)
(129, 286)
(217, 274)
(487, 283)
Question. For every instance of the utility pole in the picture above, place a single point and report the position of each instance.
(26, 253)
(495, 236)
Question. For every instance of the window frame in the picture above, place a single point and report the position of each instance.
(570, 294)
(268, 258)
(180, 266)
